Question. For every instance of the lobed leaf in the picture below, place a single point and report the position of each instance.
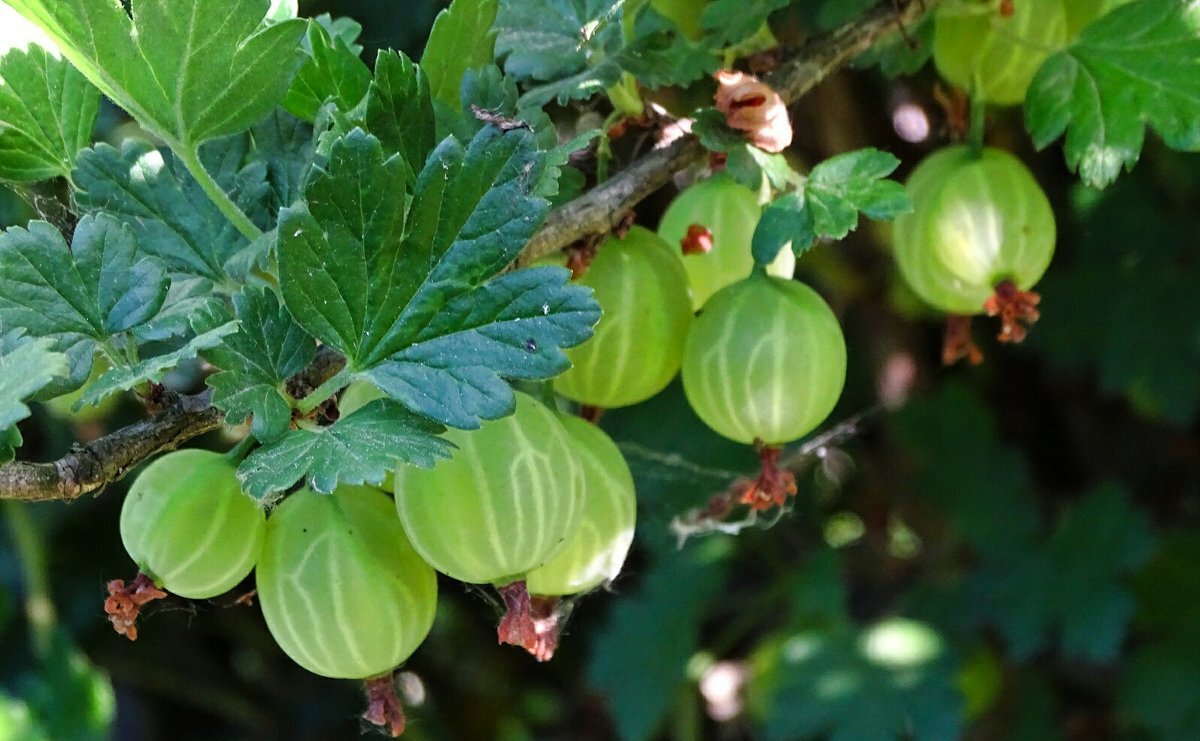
(187, 70)
(361, 448)
(333, 72)
(461, 39)
(26, 366)
(256, 361)
(48, 109)
(1133, 68)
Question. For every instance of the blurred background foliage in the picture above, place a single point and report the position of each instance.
(1002, 551)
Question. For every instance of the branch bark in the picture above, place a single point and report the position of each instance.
(89, 468)
(600, 210)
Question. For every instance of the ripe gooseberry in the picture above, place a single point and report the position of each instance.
(980, 235)
(992, 49)
(729, 212)
(189, 527)
(342, 591)
(765, 361)
(638, 343)
(593, 556)
(507, 502)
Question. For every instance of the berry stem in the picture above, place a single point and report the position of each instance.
(383, 706)
(976, 132)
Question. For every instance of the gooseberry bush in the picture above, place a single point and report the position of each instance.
(607, 329)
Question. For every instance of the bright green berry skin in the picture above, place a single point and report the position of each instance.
(597, 551)
(508, 501)
(731, 212)
(189, 527)
(1080, 13)
(765, 361)
(976, 222)
(642, 288)
(342, 591)
(992, 56)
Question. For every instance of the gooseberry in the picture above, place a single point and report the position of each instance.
(993, 48)
(342, 591)
(638, 343)
(765, 361)
(189, 527)
(728, 212)
(507, 502)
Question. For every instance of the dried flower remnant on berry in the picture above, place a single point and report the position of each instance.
(774, 484)
(383, 706)
(124, 603)
(957, 342)
(751, 105)
(697, 241)
(1013, 306)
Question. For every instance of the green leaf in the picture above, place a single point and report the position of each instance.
(424, 302)
(151, 369)
(48, 110)
(187, 298)
(1133, 269)
(17, 722)
(187, 70)
(553, 39)
(333, 72)
(256, 361)
(1069, 584)
(26, 366)
(1134, 67)
(731, 21)
(638, 660)
(452, 372)
(461, 39)
(965, 472)
(1159, 688)
(99, 287)
(398, 110)
(286, 147)
(899, 55)
(829, 203)
(361, 448)
(893, 679)
(150, 190)
(70, 696)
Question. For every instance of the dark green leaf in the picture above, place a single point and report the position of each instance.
(171, 217)
(361, 448)
(511, 327)
(829, 203)
(188, 70)
(965, 471)
(731, 21)
(26, 366)
(98, 288)
(151, 369)
(1159, 688)
(638, 659)
(332, 72)
(424, 302)
(187, 298)
(399, 111)
(256, 361)
(894, 679)
(71, 698)
(286, 147)
(552, 39)
(1134, 67)
(1069, 584)
(48, 110)
(462, 38)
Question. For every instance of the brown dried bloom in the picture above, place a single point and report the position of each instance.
(751, 105)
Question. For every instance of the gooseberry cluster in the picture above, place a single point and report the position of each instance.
(347, 581)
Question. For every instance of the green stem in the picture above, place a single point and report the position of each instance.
(39, 608)
(239, 451)
(190, 156)
(324, 391)
(976, 131)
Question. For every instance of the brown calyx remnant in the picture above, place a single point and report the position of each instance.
(580, 256)
(591, 413)
(957, 342)
(529, 622)
(124, 603)
(752, 106)
(697, 241)
(383, 706)
(1017, 310)
(774, 484)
